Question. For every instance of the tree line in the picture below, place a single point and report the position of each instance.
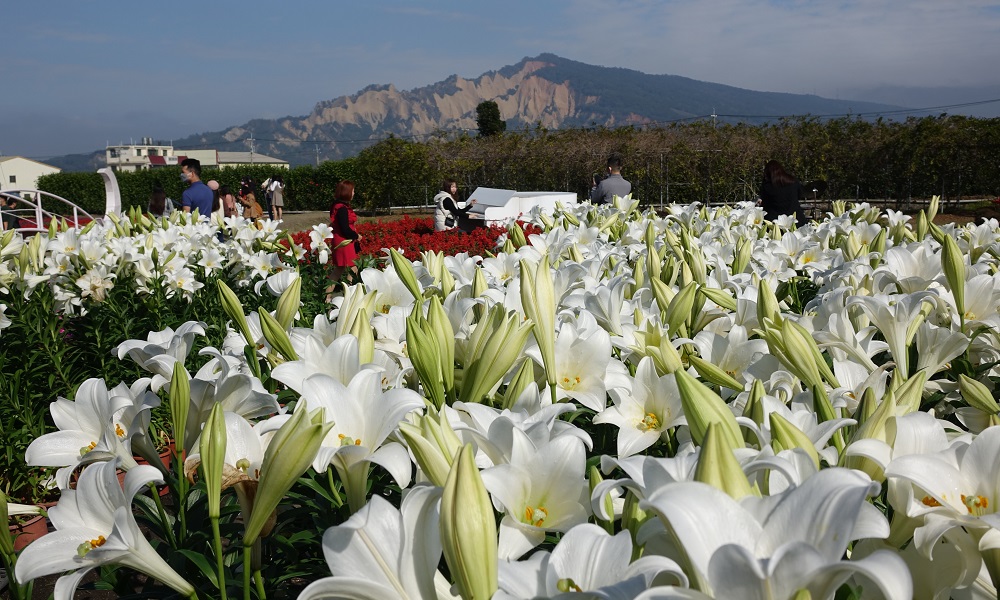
(888, 161)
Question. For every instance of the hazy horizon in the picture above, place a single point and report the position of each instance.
(78, 78)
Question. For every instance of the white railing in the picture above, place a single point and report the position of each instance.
(34, 216)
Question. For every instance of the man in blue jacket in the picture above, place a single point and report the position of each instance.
(198, 195)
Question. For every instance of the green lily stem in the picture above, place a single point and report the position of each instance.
(259, 580)
(333, 488)
(17, 591)
(220, 567)
(246, 571)
(163, 517)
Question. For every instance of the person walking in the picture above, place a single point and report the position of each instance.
(603, 191)
(448, 212)
(780, 193)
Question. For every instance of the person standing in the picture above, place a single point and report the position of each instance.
(159, 205)
(448, 212)
(780, 193)
(613, 185)
(342, 219)
(229, 203)
(197, 196)
(277, 190)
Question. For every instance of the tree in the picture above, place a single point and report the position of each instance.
(488, 119)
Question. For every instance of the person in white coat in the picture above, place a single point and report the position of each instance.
(448, 212)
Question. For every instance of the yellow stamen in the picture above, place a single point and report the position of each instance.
(649, 422)
(119, 431)
(928, 501)
(976, 505)
(535, 516)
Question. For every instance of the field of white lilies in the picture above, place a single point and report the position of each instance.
(625, 405)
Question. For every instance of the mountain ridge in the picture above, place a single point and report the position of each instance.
(546, 90)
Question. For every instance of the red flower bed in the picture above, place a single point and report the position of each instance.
(416, 235)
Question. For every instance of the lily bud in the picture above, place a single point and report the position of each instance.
(712, 373)
(678, 312)
(665, 357)
(494, 352)
(469, 529)
(288, 303)
(910, 392)
(702, 407)
(799, 354)
(440, 327)
(539, 303)
(234, 309)
(718, 467)
(953, 265)
(212, 447)
(516, 235)
(524, 377)
(276, 336)
(404, 268)
(785, 436)
(767, 304)
(180, 402)
(932, 208)
(741, 256)
(977, 395)
(291, 451)
(720, 297)
(362, 330)
(424, 353)
(433, 443)
(662, 294)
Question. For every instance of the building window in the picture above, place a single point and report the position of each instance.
(138, 151)
(13, 178)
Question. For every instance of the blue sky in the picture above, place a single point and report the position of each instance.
(78, 74)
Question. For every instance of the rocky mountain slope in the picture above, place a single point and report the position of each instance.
(547, 90)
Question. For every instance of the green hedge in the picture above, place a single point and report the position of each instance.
(945, 155)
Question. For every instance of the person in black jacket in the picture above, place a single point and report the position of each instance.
(780, 193)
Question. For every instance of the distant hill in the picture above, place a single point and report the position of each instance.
(546, 89)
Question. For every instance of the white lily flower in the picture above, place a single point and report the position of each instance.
(88, 429)
(586, 560)
(773, 547)
(645, 413)
(542, 490)
(384, 553)
(363, 417)
(95, 526)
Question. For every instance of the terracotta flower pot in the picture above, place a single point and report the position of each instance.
(29, 531)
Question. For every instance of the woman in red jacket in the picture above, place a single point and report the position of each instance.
(342, 220)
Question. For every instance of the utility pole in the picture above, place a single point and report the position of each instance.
(251, 147)
(317, 154)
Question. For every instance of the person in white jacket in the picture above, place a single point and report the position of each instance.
(448, 212)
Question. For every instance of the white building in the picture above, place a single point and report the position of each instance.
(137, 157)
(218, 158)
(19, 173)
